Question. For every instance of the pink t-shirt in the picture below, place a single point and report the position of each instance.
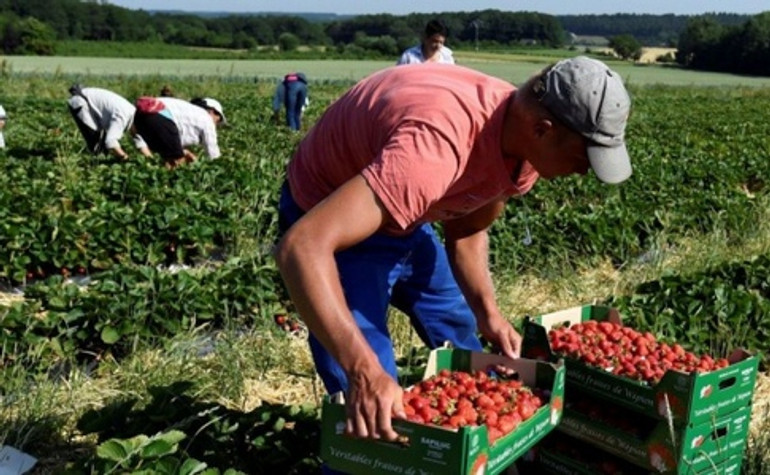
(425, 137)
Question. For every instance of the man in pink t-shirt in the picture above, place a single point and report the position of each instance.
(406, 147)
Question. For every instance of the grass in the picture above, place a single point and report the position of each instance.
(244, 370)
(241, 371)
(534, 293)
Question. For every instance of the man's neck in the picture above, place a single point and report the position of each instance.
(508, 137)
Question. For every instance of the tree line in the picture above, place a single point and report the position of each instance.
(649, 30)
(745, 49)
(50, 20)
(717, 41)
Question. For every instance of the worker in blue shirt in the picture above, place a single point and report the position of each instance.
(291, 93)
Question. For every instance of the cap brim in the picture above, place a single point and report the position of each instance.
(611, 164)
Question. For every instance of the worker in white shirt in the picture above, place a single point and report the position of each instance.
(432, 47)
(170, 125)
(3, 118)
(102, 117)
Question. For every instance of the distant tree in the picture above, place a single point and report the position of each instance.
(744, 49)
(648, 29)
(288, 42)
(256, 28)
(243, 41)
(28, 36)
(351, 50)
(754, 38)
(263, 32)
(698, 40)
(626, 46)
(404, 35)
(306, 32)
(187, 31)
(385, 45)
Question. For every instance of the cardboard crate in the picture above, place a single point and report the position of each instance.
(582, 459)
(561, 454)
(665, 449)
(732, 466)
(553, 463)
(439, 451)
(681, 397)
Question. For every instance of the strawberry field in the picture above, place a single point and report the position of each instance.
(138, 310)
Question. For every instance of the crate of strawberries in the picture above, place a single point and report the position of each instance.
(652, 443)
(473, 413)
(618, 363)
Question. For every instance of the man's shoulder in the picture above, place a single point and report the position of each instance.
(173, 101)
(411, 55)
(98, 92)
(104, 98)
(182, 106)
(447, 55)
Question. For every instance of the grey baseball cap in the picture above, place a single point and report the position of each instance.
(591, 99)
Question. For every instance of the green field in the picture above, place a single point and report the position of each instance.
(191, 362)
(515, 67)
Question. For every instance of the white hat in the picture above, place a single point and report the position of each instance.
(591, 99)
(214, 105)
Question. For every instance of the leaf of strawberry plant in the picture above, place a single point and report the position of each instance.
(113, 450)
(192, 467)
(110, 335)
(158, 448)
(172, 437)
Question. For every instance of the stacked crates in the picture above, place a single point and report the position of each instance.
(687, 423)
(432, 450)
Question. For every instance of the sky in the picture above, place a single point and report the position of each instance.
(403, 7)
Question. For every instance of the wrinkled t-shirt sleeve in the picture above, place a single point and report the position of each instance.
(139, 142)
(117, 124)
(209, 139)
(413, 171)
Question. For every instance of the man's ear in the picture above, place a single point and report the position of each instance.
(542, 127)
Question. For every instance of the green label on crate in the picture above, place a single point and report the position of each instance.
(435, 450)
(725, 403)
(371, 462)
(521, 443)
(557, 466)
(628, 447)
(624, 392)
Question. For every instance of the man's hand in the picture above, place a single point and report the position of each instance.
(119, 153)
(502, 335)
(189, 157)
(371, 401)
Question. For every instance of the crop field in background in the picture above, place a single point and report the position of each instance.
(139, 304)
(512, 67)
